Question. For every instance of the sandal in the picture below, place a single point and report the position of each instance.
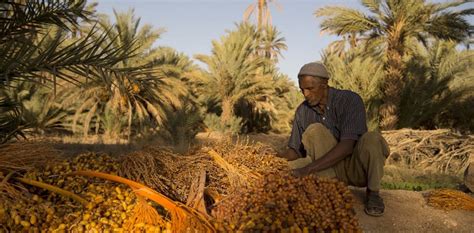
(374, 205)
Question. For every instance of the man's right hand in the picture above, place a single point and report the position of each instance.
(289, 155)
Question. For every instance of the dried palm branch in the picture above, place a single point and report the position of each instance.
(196, 193)
(54, 189)
(144, 213)
(441, 150)
(182, 217)
(448, 199)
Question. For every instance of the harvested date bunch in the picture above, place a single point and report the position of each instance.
(283, 202)
(110, 206)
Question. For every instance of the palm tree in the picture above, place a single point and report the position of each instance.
(32, 48)
(441, 78)
(262, 11)
(35, 48)
(135, 96)
(182, 123)
(140, 96)
(128, 32)
(271, 44)
(390, 25)
(287, 97)
(10, 120)
(40, 110)
(233, 71)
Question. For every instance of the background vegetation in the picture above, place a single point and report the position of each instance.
(66, 69)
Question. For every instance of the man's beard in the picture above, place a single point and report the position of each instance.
(316, 101)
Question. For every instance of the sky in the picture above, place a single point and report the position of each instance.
(191, 25)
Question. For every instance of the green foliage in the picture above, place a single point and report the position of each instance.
(10, 121)
(413, 18)
(287, 98)
(439, 88)
(242, 71)
(39, 44)
(270, 43)
(417, 186)
(214, 123)
(235, 72)
(256, 117)
(128, 33)
(108, 123)
(182, 124)
(150, 84)
(40, 110)
(401, 177)
(48, 49)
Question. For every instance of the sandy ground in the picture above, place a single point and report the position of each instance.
(406, 211)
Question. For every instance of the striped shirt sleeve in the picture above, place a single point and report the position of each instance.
(353, 120)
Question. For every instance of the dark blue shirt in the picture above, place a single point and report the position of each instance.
(344, 116)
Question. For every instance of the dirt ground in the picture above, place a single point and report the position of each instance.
(406, 211)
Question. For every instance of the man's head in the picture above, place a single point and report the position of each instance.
(313, 79)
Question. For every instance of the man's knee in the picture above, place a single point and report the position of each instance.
(316, 130)
(318, 140)
(375, 140)
(371, 137)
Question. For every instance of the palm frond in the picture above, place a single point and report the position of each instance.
(30, 61)
(372, 5)
(341, 20)
(437, 72)
(449, 26)
(10, 120)
(26, 18)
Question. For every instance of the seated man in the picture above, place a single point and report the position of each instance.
(329, 137)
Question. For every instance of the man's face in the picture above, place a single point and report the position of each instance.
(312, 89)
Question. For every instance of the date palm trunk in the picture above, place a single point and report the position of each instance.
(227, 111)
(393, 83)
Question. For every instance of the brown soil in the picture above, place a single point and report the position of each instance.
(407, 211)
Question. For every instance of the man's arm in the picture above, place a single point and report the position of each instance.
(342, 149)
(289, 154)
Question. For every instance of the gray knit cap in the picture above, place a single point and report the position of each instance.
(315, 69)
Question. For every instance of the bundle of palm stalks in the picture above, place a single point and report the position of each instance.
(15, 157)
(164, 171)
(228, 165)
(279, 202)
(438, 150)
(236, 164)
(152, 167)
(448, 199)
(26, 155)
